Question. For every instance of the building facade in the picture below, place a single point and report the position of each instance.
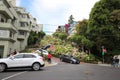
(71, 28)
(15, 26)
(13, 2)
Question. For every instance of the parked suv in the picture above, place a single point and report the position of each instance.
(22, 60)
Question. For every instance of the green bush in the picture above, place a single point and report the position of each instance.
(89, 58)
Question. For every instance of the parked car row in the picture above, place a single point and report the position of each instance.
(22, 60)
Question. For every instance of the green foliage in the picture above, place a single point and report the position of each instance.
(81, 27)
(89, 58)
(75, 38)
(35, 37)
(103, 24)
(60, 35)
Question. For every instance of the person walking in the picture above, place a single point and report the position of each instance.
(49, 56)
(112, 61)
(116, 62)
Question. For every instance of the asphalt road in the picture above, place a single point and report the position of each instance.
(65, 71)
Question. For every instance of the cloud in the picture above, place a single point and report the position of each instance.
(57, 12)
(61, 9)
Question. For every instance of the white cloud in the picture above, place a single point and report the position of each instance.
(49, 8)
(58, 11)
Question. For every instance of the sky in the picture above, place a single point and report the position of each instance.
(52, 13)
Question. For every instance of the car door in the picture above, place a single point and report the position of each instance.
(66, 58)
(28, 59)
(15, 61)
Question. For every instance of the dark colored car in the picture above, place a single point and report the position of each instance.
(69, 59)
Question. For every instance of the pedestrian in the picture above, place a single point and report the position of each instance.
(112, 61)
(116, 62)
(15, 52)
(49, 56)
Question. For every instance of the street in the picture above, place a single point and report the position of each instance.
(65, 71)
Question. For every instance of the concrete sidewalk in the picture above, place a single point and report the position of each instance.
(54, 61)
(104, 65)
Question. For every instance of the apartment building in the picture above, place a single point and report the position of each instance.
(34, 26)
(15, 25)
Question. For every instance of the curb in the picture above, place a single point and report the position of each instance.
(104, 65)
(48, 64)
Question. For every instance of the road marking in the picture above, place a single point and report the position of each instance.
(13, 75)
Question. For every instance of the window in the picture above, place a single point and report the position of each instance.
(24, 16)
(23, 24)
(29, 56)
(21, 32)
(2, 20)
(18, 56)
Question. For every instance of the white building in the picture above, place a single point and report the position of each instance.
(15, 25)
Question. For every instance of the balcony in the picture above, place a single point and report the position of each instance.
(21, 37)
(5, 36)
(8, 39)
(7, 26)
(24, 28)
(24, 20)
(4, 10)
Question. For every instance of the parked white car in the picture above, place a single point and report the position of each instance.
(22, 60)
(45, 52)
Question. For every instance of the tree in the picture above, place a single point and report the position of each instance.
(70, 21)
(60, 35)
(100, 29)
(81, 27)
(34, 37)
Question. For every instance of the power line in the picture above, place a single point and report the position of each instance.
(53, 24)
(49, 31)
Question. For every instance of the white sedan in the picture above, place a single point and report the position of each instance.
(22, 60)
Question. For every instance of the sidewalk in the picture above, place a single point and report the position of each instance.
(54, 60)
(104, 65)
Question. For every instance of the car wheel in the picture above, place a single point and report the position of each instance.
(36, 66)
(2, 67)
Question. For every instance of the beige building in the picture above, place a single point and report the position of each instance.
(15, 25)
